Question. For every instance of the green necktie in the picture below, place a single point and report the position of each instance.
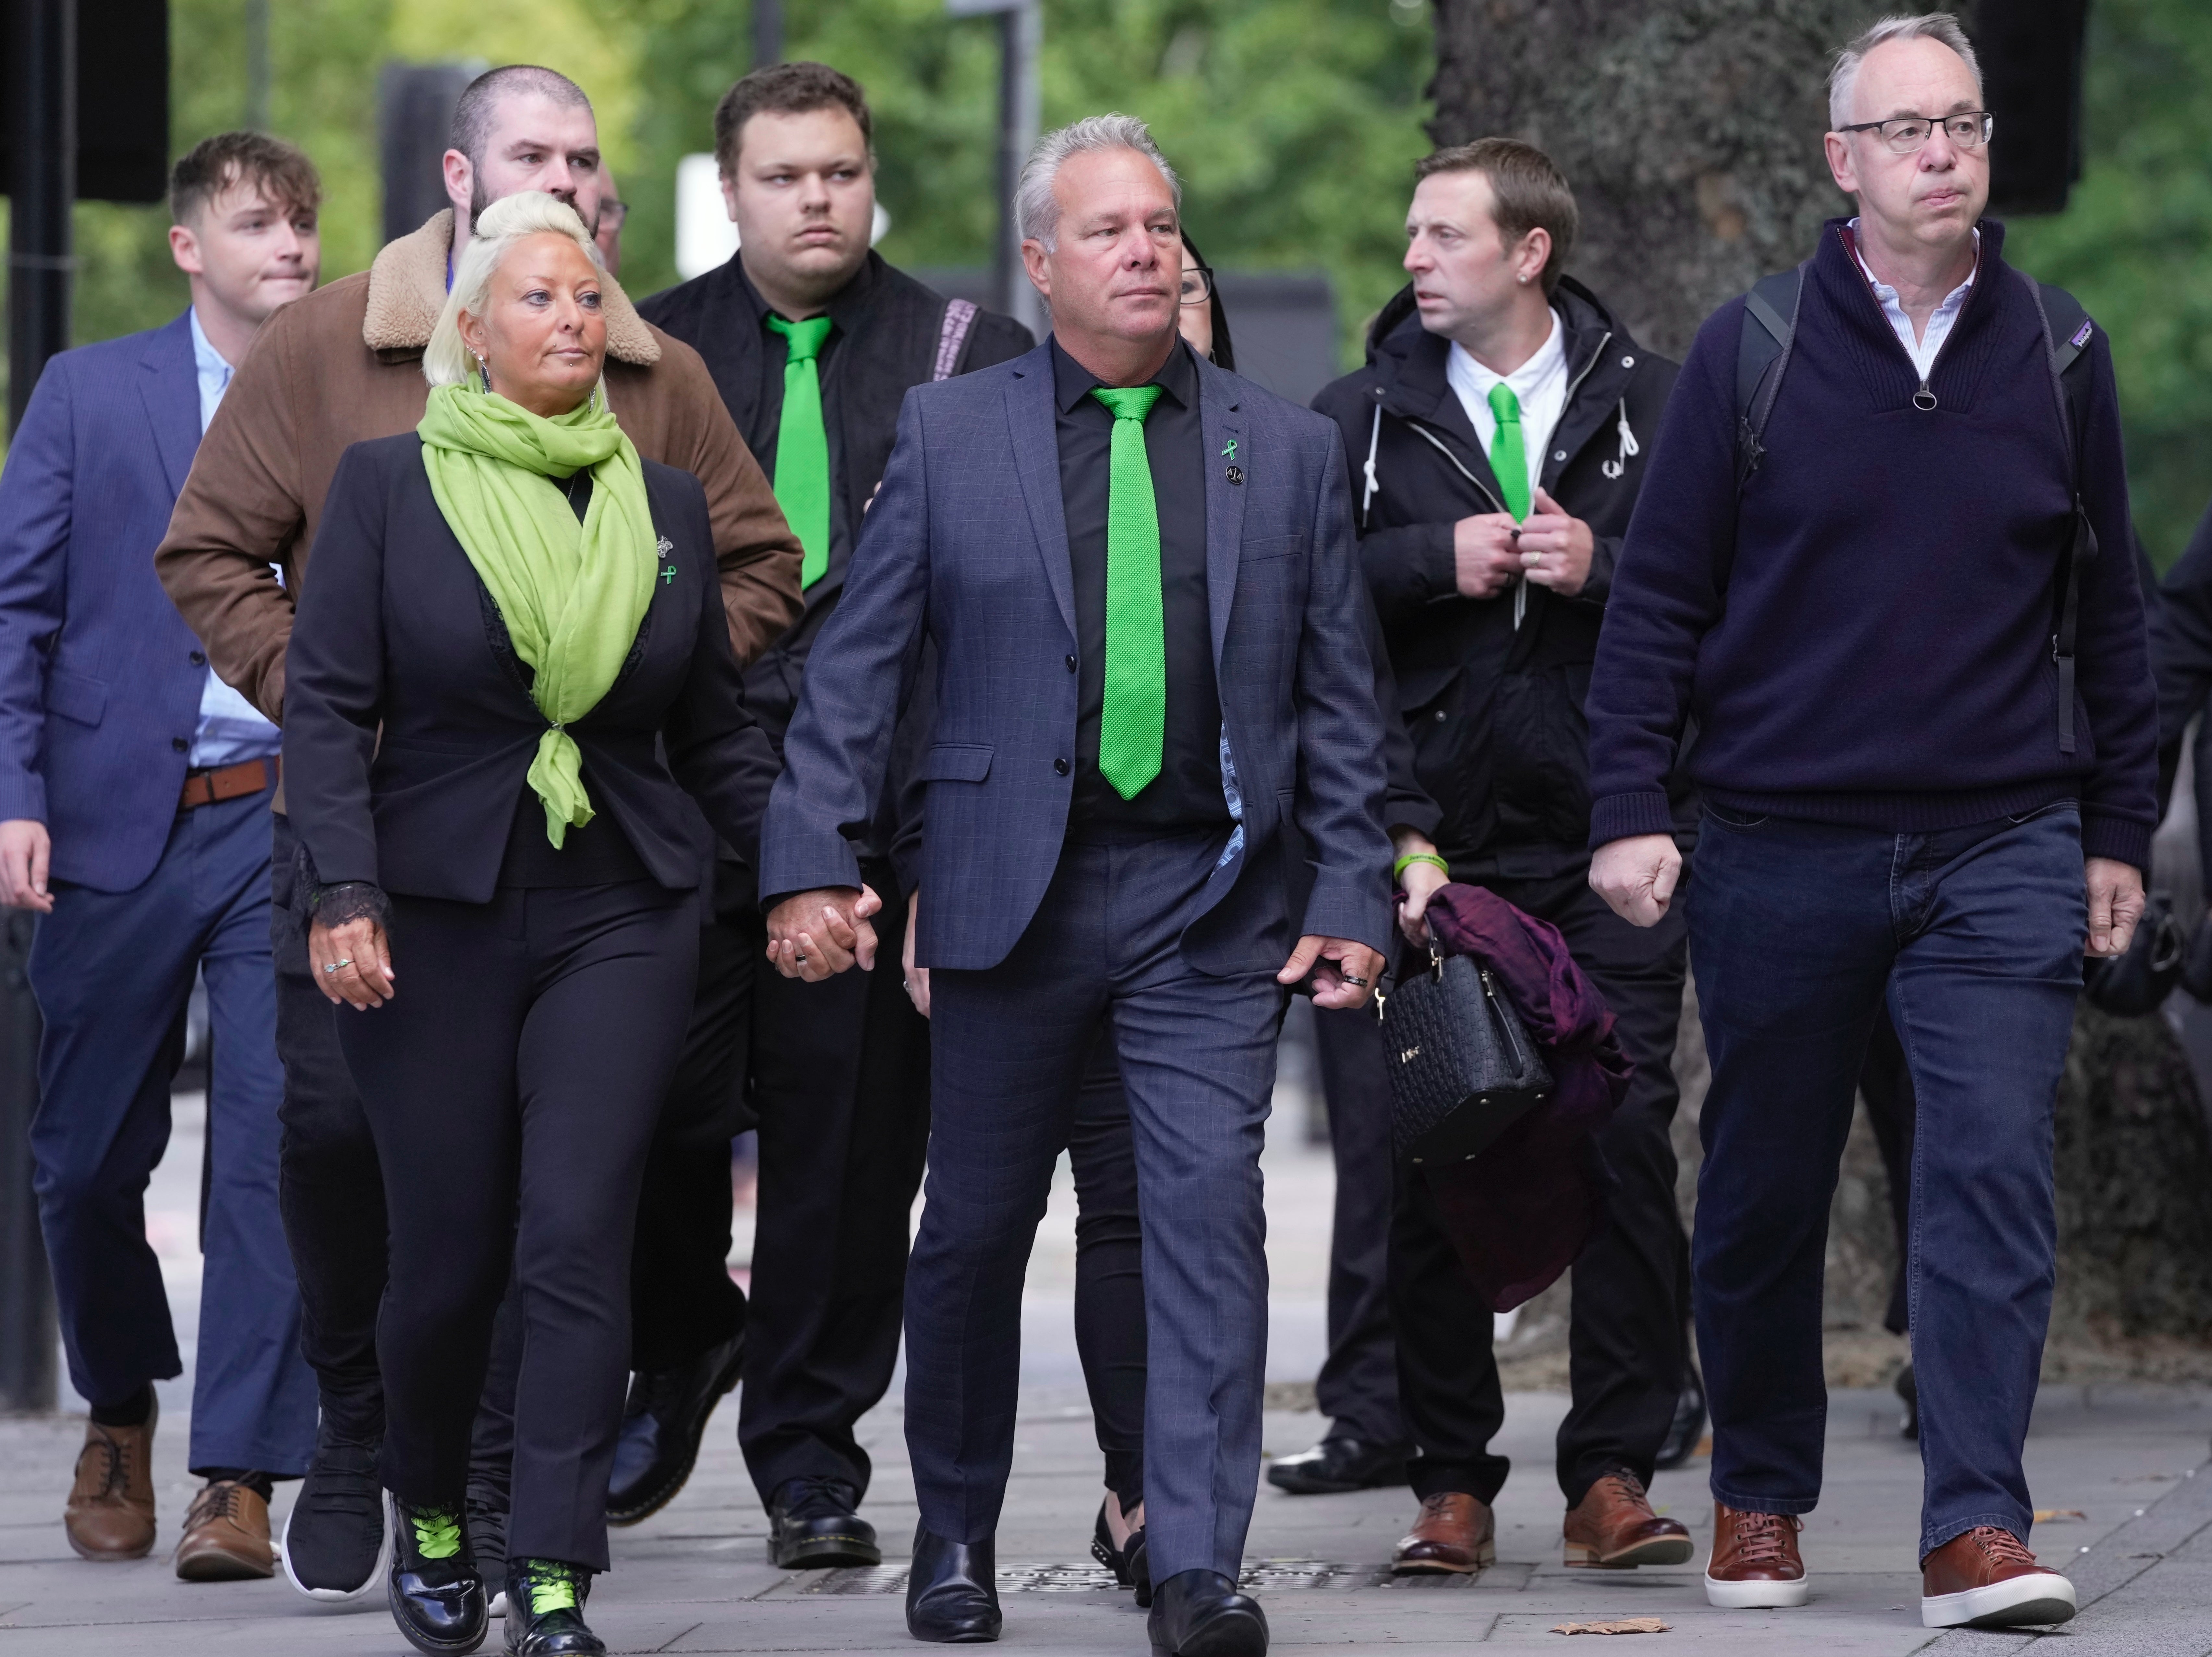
(1135, 713)
(802, 446)
(1508, 458)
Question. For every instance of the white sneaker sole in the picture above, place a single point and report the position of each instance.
(341, 1596)
(1757, 1596)
(2023, 1602)
(498, 1604)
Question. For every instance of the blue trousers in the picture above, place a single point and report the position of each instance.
(1008, 1052)
(112, 972)
(1797, 931)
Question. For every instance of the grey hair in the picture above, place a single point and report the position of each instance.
(1037, 210)
(1941, 25)
(447, 360)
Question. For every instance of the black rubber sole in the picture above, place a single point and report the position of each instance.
(823, 1553)
(1236, 1634)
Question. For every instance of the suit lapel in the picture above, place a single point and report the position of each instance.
(171, 388)
(1032, 420)
(1222, 427)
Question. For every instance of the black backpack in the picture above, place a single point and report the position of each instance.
(1769, 326)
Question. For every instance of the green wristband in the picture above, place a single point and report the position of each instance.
(1400, 866)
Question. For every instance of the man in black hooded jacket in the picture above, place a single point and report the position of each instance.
(813, 340)
(1496, 439)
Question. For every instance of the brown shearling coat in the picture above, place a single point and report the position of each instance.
(344, 364)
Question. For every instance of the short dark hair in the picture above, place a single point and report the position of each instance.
(472, 113)
(786, 89)
(212, 166)
(1530, 191)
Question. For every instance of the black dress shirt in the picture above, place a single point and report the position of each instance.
(1187, 792)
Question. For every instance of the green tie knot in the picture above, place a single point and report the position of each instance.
(805, 339)
(1127, 402)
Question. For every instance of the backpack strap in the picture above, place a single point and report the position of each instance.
(1762, 357)
(2067, 331)
(959, 317)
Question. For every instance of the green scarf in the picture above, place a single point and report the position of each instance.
(573, 594)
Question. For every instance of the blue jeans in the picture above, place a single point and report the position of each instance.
(1797, 930)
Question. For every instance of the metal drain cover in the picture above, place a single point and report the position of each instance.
(1259, 1575)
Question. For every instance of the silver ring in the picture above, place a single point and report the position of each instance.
(335, 965)
(1357, 983)
(799, 958)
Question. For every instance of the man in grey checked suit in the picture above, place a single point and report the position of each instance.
(1153, 701)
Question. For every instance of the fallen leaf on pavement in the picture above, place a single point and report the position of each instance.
(1626, 1625)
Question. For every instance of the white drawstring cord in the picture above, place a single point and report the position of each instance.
(1374, 437)
(1628, 446)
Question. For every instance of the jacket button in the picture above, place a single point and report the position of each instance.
(180, 744)
(1440, 716)
(199, 658)
(1628, 362)
(1558, 454)
(1060, 766)
(1070, 664)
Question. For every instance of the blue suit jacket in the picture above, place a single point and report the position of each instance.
(99, 677)
(967, 546)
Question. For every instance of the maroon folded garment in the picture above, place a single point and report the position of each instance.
(1520, 1212)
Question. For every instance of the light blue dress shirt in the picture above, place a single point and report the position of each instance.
(231, 729)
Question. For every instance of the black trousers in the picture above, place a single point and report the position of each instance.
(1626, 1349)
(841, 1092)
(1110, 1270)
(1358, 1386)
(683, 1303)
(513, 1087)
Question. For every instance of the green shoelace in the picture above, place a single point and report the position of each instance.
(552, 1587)
(437, 1532)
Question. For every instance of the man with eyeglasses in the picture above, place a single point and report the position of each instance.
(1926, 744)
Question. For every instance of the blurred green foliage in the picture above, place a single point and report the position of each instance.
(1294, 123)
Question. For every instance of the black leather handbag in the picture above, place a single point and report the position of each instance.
(1463, 1067)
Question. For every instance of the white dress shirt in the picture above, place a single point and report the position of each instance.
(1540, 385)
(1921, 350)
(231, 729)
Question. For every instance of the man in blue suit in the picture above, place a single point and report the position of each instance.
(134, 820)
(1138, 575)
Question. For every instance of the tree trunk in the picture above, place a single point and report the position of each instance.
(1691, 132)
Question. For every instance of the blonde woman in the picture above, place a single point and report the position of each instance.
(527, 614)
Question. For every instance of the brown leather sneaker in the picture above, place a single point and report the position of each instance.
(1454, 1532)
(1755, 1563)
(1988, 1578)
(226, 1536)
(111, 1506)
(1613, 1528)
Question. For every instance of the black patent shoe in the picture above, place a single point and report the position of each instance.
(1129, 1562)
(337, 1545)
(1336, 1466)
(436, 1597)
(811, 1527)
(545, 1610)
(1688, 1426)
(1199, 1613)
(662, 1424)
(951, 1592)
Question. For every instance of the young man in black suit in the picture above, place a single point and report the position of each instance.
(813, 340)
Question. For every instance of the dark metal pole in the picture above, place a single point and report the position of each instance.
(41, 89)
(768, 33)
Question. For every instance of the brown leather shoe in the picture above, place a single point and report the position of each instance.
(111, 1506)
(1454, 1532)
(226, 1536)
(1755, 1563)
(1988, 1578)
(1613, 1528)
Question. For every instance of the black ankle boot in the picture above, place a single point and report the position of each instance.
(951, 1592)
(545, 1610)
(436, 1597)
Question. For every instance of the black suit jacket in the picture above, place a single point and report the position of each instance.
(399, 634)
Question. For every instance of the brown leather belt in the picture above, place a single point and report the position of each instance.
(229, 782)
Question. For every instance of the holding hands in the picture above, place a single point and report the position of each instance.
(352, 962)
(812, 935)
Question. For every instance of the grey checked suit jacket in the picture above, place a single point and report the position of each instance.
(967, 545)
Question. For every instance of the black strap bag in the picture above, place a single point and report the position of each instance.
(1462, 1066)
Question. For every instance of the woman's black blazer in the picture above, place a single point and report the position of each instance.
(396, 633)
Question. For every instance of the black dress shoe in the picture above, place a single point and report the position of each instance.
(545, 1611)
(811, 1527)
(436, 1597)
(337, 1544)
(1338, 1464)
(1130, 1563)
(662, 1425)
(952, 1593)
(1199, 1613)
(1688, 1426)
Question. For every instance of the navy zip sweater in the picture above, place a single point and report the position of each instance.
(1864, 637)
